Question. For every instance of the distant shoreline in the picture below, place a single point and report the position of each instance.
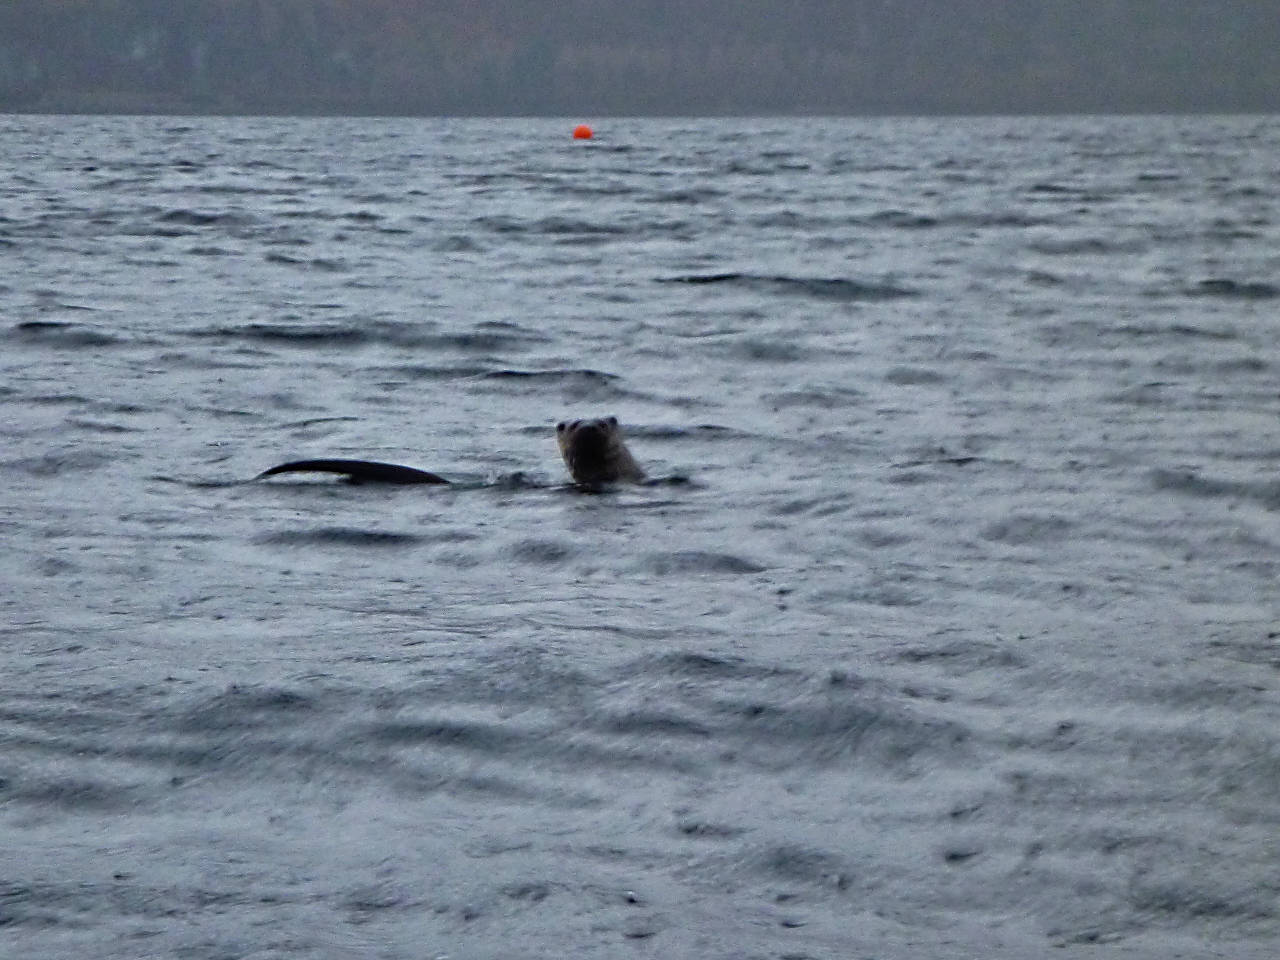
(125, 106)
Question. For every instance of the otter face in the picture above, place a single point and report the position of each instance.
(594, 452)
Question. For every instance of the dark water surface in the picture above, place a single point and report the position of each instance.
(961, 640)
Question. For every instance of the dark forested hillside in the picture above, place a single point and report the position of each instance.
(638, 56)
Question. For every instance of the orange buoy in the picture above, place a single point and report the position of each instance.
(582, 132)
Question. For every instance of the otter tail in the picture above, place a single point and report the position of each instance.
(357, 470)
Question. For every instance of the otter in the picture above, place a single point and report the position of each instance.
(593, 450)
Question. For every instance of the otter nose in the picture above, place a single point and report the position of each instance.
(591, 437)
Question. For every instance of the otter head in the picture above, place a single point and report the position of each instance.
(595, 453)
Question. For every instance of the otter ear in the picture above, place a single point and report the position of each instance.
(560, 426)
(611, 421)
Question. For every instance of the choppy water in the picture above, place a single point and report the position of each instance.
(961, 642)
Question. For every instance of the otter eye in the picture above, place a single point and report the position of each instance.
(611, 421)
